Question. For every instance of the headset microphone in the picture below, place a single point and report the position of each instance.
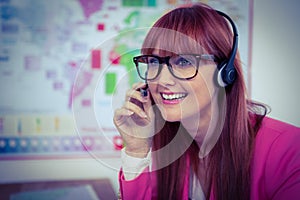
(227, 71)
(144, 91)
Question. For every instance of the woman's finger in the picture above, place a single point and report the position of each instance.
(120, 114)
(135, 108)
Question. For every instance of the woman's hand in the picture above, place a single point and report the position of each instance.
(135, 122)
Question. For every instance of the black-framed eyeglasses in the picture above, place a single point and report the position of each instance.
(182, 66)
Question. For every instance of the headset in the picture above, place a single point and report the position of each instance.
(144, 90)
(227, 72)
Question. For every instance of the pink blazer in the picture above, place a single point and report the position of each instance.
(275, 168)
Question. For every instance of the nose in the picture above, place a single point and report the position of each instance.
(165, 77)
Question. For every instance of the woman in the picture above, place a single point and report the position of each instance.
(195, 135)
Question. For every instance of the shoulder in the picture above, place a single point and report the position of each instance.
(277, 138)
(280, 126)
(273, 130)
(277, 157)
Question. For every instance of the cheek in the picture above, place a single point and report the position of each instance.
(203, 88)
(199, 96)
(152, 89)
(207, 79)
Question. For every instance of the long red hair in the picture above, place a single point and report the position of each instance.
(228, 171)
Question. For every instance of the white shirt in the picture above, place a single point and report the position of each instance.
(133, 166)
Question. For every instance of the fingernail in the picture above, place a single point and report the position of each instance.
(130, 112)
(143, 114)
(145, 99)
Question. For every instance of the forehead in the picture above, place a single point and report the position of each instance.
(163, 41)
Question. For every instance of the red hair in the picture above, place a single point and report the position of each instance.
(230, 159)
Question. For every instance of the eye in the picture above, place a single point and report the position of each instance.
(180, 61)
(153, 61)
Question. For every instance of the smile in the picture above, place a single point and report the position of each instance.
(171, 97)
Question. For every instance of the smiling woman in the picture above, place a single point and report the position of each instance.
(196, 135)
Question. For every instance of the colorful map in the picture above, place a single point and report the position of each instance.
(66, 65)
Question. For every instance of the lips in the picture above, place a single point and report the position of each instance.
(173, 96)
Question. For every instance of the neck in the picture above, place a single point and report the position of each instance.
(207, 129)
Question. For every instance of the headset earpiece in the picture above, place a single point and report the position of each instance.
(226, 75)
(220, 74)
(227, 72)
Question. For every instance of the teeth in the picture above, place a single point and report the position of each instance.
(173, 96)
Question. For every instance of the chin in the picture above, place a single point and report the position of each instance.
(170, 114)
(171, 118)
